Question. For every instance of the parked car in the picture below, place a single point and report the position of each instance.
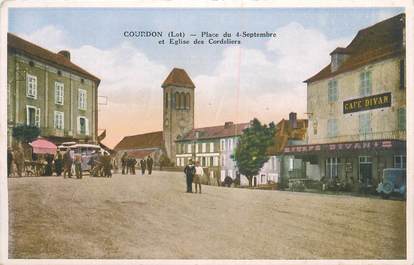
(394, 181)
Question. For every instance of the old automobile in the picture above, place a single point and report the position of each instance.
(393, 182)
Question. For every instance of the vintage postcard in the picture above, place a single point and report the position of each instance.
(208, 132)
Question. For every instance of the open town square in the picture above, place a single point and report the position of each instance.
(151, 216)
(131, 136)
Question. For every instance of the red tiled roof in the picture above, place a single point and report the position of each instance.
(141, 141)
(378, 42)
(178, 77)
(23, 46)
(221, 131)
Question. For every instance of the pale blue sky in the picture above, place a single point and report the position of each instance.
(103, 27)
(261, 78)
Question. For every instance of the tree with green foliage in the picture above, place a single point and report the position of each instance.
(251, 151)
(25, 133)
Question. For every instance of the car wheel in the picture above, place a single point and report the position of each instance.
(387, 188)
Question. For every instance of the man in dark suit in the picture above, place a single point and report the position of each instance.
(189, 171)
(150, 162)
(143, 165)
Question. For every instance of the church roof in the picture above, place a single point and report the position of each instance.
(178, 77)
(141, 141)
(378, 42)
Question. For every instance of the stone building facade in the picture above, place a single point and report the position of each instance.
(360, 128)
(212, 147)
(47, 90)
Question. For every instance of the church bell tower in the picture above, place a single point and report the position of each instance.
(178, 110)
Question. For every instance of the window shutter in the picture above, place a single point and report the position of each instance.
(35, 88)
(37, 117)
(55, 119)
(27, 116)
(86, 126)
(78, 128)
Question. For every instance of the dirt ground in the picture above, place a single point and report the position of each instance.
(151, 217)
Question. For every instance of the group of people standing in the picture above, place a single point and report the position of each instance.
(193, 173)
(128, 164)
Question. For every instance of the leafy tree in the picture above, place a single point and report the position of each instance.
(25, 133)
(164, 161)
(250, 154)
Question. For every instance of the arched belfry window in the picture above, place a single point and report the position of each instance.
(166, 100)
(182, 99)
(188, 101)
(177, 100)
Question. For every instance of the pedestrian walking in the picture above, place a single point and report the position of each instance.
(78, 166)
(49, 165)
(199, 173)
(143, 165)
(107, 166)
(133, 164)
(189, 171)
(67, 164)
(124, 162)
(58, 163)
(9, 162)
(150, 162)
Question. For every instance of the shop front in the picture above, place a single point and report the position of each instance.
(356, 165)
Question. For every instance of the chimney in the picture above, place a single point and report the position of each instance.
(65, 53)
(228, 124)
(292, 120)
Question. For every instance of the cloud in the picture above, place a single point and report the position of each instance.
(267, 84)
(245, 83)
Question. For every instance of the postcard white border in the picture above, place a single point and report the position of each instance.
(6, 4)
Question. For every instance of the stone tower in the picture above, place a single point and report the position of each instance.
(178, 114)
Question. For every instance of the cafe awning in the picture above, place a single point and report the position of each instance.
(43, 146)
(371, 145)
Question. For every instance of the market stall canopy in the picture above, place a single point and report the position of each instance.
(43, 146)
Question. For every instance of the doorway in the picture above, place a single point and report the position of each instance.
(365, 170)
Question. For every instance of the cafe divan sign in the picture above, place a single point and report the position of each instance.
(367, 103)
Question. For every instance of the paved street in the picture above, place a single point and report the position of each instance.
(146, 217)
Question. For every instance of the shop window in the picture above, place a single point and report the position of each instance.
(401, 119)
(332, 91)
(291, 164)
(365, 85)
(332, 168)
(400, 161)
(332, 128)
